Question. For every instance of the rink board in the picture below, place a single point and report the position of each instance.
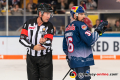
(106, 48)
(62, 57)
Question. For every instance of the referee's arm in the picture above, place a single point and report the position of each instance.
(49, 37)
(24, 37)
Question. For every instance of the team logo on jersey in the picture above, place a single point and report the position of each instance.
(43, 29)
(84, 27)
(32, 28)
(88, 33)
(51, 30)
(24, 25)
(72, 27)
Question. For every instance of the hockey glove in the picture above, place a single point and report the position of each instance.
(101, 27)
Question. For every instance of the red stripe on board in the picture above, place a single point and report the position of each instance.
(118, 57)
(12, 56)
(96, 56)
(55, 57)
(63, 57)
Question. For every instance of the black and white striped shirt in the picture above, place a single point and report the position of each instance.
(31, 34)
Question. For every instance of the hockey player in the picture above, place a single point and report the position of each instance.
(37, 35)
(77, 43)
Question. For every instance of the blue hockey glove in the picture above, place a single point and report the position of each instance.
(101, 27)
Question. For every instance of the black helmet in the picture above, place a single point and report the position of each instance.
(43, 7)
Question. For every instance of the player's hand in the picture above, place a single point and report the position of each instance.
(42, 40)
(38, 47)
(101, 27)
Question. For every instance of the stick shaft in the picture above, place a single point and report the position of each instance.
(66, 74)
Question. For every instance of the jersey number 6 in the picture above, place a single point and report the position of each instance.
(70, 44)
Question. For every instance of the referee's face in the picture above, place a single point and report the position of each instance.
(46, 16)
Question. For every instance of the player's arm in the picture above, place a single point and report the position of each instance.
(48, 37)
(90, 38)
(24, 37)
(65, 49)
(86, 36)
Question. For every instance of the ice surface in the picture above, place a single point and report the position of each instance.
(16, 69)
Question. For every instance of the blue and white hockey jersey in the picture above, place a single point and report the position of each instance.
(77, 44)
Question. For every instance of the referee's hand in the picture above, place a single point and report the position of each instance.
(38, 47)
(43, 40)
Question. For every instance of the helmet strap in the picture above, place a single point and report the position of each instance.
(41, 19)
(41, 16)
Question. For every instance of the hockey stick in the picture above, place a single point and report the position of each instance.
(66, 74)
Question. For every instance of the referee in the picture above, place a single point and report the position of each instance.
(37, 36)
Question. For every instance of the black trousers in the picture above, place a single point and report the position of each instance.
(40, 68)
(81, 70)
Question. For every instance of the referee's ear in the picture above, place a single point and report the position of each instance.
(40, 14)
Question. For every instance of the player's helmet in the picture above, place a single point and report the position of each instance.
(77, 9)
(43, 7)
